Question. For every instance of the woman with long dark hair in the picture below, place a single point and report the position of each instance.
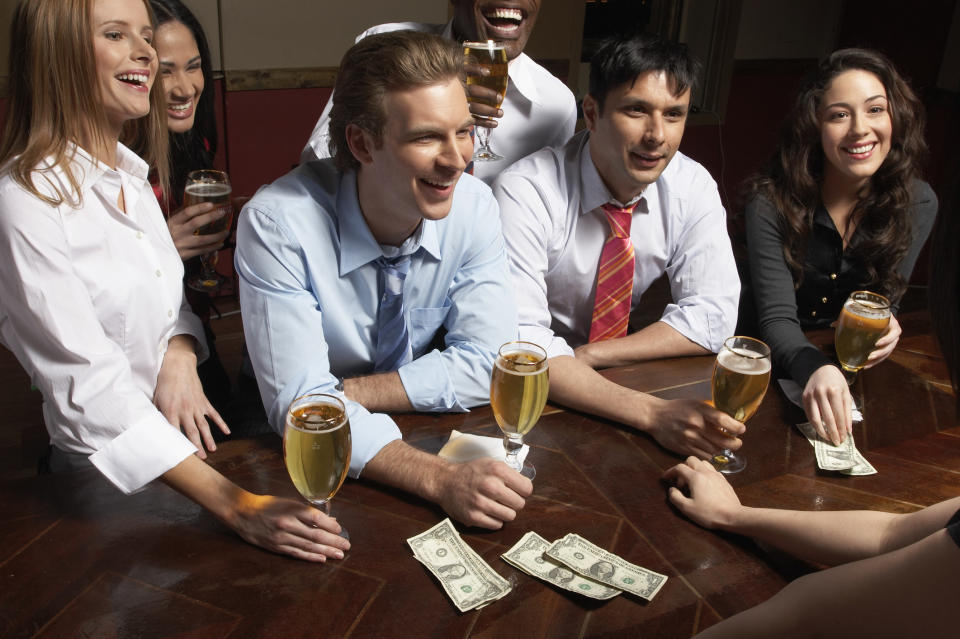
(91, 289)
(894, 575)
(840, 207)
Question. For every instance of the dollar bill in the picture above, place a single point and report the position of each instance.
(467, 579)
(527, 555)
(844, 458)
(595, 563)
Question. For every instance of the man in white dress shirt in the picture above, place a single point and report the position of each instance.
(538, 109)
(559, 208)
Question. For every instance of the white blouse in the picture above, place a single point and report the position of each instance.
(89, 299)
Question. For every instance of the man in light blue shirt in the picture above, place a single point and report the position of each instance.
(311, 248)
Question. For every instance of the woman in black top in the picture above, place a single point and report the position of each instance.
(839, 208)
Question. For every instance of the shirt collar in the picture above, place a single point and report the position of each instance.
(594, 193)
(357, 244)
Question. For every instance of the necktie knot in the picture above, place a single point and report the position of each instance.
(619, 219)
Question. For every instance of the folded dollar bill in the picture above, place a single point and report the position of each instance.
(595, 563)
(467, 579)
(844, 458)
(527, 555)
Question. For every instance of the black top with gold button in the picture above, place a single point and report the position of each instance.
(830, 274)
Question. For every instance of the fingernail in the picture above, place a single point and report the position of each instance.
(338, 554)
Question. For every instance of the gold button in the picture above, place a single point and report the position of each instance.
(833, 276)
(813, 313)
(823, 300)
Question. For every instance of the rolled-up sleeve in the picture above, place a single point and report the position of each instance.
(482, 316)
(49, 322)
(283, 327)
(527, 231)
(702, 273)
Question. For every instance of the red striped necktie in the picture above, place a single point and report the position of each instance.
(611, 309)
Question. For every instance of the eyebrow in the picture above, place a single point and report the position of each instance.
(168, 63)
(431, 130)
(124, 23)
(845, 105)
(647, 105)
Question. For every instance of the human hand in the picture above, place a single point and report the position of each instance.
(179, 396)
(483, 492)
(184, 222)
(828, 404)
(712, 502)
(288, 527)
(693, 427)
(885, 345)
(482, 99)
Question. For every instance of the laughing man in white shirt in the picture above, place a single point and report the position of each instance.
(538, 109)
(555, 227)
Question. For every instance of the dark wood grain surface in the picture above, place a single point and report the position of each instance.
(78, 558)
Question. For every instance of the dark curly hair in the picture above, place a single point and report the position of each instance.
(793, 176)
(196, 148)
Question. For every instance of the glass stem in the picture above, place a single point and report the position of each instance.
(513, 445)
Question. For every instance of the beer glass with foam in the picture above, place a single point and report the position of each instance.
(487, 67)
(862, 322)
(316, 448)
(209, 186)
(740, 378)
(518, 393)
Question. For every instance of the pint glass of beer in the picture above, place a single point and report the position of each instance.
(486, 67)
(209, 186)
(862, 322)
(316, 447)
(740, 378)
(518, 393)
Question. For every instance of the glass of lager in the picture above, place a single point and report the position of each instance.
(518, 392)
(740, 378)
(316, 448)
(862, 322)
(486, 64)
(208, 186)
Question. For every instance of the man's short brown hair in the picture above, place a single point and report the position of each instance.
(379, 63)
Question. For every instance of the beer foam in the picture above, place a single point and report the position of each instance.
(743, 361)
(208, 190)
(867, 308)
(534, 366)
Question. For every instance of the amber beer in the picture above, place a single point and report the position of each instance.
(316, 447)
(739, 382)
(493, 57)
(862, 322)
(518, 390)
(219, 194)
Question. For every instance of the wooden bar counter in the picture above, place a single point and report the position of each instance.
(78, 558)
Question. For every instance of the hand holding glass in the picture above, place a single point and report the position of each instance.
(487, 67)
(518, 393)
(740, 378)
(209, 186)
(316, 448)
(862, 322)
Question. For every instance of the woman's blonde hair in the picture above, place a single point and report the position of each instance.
(55, 101)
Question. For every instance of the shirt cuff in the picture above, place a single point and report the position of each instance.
(804, 363)
(428, 385)
(142, 453)
(545, 339)
(369, 433)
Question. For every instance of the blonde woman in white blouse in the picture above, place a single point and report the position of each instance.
(91, 299)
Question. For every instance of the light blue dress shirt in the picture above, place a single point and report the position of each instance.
(309, 294)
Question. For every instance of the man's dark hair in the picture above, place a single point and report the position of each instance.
(620, 60)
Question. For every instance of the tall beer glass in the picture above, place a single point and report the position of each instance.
(209, 186)
(862, 322)
(518, 392)
(316, 448)
(740, 378)
(486, 67)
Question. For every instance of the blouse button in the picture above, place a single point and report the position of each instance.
(823, 300)
(169, 313)
(833, 276)
(139, 235)
(159, 274)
